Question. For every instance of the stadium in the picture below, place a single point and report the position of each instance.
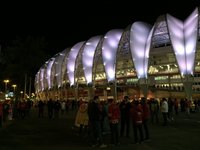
(160, 60)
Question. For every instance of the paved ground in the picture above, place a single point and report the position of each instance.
(44, 134)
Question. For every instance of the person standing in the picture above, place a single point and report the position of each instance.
(1, 114)
(57, 107)
(170, 109)
(82, 119)
(40, 109)
(164, 110)
(176, 105)
(94, 120)
(154, 110)
(145, 118)
(125, 107)
(114, 116)
(63, 107)
(136, 115)
(50, 105)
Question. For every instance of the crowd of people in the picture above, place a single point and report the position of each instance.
(100, 117)
(95, 118)
(20, 109)
(117, 119)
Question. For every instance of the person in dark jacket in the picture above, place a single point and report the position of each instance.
(137, 121)
(125, 107)
(94, 120)
(114, 117)
(145, 118)
(50, 106)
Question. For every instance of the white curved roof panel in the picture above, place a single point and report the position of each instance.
(72, 60)
(88, 56)
(184, 38)
(140, 38)
(109, 51)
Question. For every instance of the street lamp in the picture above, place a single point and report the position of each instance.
(6, 82)
(21, 94)
(14, 87)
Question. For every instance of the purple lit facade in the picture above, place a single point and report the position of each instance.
(140, 40)
(72, 61)
(109, 52)
(88, 57)
(184, 40)
(160, 53)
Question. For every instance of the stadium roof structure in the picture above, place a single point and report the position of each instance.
(126, 53)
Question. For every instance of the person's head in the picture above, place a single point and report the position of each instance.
(164, 99)
(143, 100)
(126, 98)
(136, 102)
(96, 98)
(111, 100)
(86, 100)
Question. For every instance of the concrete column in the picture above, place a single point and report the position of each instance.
(170, 87)
(125, 93)
(187, 83)
(143, 84)
(90, 92)
(66, 93)
(76, 92)
(113, 89)
(188, 89)
(105, 94)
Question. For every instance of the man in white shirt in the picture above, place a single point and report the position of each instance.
(164, 110)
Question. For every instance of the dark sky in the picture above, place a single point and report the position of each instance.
(63, 24)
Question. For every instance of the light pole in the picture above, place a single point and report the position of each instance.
(21, 94)
(14, 87)
(6, 82)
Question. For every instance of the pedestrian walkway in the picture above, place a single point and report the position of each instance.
(58, 134)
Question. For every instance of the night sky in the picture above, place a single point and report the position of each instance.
(64, 25)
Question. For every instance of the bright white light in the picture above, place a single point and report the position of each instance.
(48, 75)
(58, 68)
(88, 43)
(42, 79)
(108, 55)
(183, 36)
(113, 43)
(111, 73)
(88, 56)
(109, 51)
(140, 39)
(71, 62)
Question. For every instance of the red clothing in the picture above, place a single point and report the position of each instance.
(113, 113)
(146, 111)
(137, 113)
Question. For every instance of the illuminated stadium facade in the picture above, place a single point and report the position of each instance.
(141, 60)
